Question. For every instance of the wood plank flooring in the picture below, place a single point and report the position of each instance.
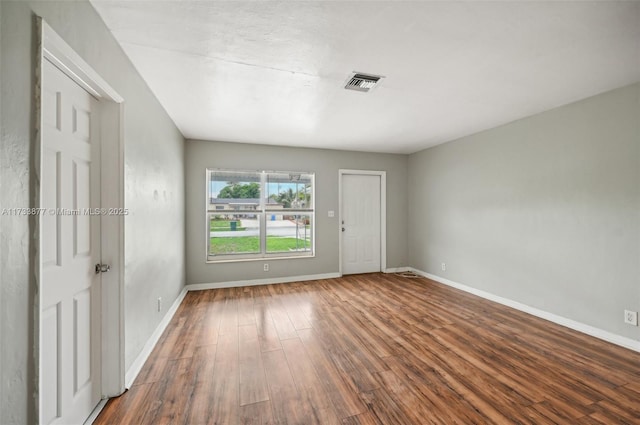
(373, 349)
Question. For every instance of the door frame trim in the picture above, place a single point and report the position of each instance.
(111, 115)
(383, 212)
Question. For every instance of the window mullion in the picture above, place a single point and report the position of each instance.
(263, 215)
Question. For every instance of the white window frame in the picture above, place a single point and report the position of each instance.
(263, 211)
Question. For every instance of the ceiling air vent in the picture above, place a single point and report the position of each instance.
(362, 82)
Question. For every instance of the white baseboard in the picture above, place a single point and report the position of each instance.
(255, 282)
(396, 270)
(563, 321)
(135, 368)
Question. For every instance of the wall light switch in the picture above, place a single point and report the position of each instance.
(332, 214)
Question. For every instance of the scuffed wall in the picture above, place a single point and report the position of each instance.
(154, 191)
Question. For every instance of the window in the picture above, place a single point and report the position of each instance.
(259, 214)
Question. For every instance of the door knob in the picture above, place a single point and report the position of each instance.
(343, 229)
(102, 268)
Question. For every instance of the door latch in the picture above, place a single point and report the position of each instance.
(102, 268)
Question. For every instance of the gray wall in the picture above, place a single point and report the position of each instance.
(325, 163)
(544, 211)
(154, 179)
(2, 164)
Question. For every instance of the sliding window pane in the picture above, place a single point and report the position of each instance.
(289, 233)
(289, 191)
(234, 234)
(234, 190)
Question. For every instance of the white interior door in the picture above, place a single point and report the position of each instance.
(361, 220)
(70, 248)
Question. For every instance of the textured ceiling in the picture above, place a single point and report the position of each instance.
(274, 72)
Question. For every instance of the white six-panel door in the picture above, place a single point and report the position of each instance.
(70, 248)
(361, 215)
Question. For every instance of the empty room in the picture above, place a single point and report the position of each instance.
(319, 212)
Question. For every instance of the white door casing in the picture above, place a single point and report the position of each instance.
(100, 116)
(71, 292)
(362, 222)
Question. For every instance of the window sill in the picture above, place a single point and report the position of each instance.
(253, 259)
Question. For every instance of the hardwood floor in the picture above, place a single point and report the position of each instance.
(374, 349)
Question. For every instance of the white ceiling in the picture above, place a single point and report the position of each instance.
(274, 72)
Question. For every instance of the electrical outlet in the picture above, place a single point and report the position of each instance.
(631, 317)
(266, 267)
(159, 304)
(444, 266)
